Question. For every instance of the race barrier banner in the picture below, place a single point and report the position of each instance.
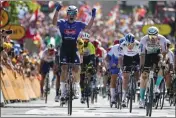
(18, 87)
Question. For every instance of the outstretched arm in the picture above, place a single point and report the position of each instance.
(56, 14)
(92, 19)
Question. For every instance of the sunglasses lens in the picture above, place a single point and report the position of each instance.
(129, 44)
(71, 13)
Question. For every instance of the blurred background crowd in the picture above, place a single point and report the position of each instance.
(113, 20)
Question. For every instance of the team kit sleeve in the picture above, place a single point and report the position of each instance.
(42, 54)
(120, 50)
(142, 46)
(163, 44)
(60, 22)
(92, 48)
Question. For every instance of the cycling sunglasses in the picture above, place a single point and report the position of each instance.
(71, 13)
(130, 44)
(86, 40)
(152, 36)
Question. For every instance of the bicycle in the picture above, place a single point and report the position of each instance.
(119, 93)
(46, 87)
(87, 83)
(131, 87)
(149, 90)
(70, 91)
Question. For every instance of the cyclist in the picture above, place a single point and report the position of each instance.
(170, 63)
(88, 56)
(111, 51)
(70, 30)
(153, 45)
(130, 56)
(100, 63)
(113, 59)
(47, 62)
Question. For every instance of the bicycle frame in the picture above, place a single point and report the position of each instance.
(69, 87)
(131, 86)
(149, 91)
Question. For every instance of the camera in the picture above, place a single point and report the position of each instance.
(7, 32)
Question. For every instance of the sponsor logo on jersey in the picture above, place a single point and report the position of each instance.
(70, 31)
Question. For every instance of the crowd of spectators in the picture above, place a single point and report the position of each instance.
(108, 28)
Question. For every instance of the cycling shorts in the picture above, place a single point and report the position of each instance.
(128, 60)
(151, 59)
(69, 56)
(45, 67)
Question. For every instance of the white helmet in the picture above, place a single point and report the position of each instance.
(72, 8)
(86, 35)
(51, 46)
(153, 30)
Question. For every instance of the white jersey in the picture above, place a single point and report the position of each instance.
(125, 50)
(170, 55)
(115, 50)
(46, 57)
(146, 44)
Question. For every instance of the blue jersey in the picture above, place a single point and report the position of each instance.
(70, 31)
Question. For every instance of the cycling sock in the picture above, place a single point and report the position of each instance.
(159, 79)
(77, 85)
(112, 90)
(62, 85)
(124, 94)
(142, 93)
(57, 92)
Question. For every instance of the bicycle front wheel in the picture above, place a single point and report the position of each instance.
(150, 98)
(119, 94)
(87, 93)
(46, 87)
(131, 94)
(70, 98)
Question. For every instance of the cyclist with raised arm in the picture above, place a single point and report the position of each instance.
(70, 30)
(130, 56)
(153, 50)
(47, 61)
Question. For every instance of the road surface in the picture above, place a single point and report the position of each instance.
(38, 108)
